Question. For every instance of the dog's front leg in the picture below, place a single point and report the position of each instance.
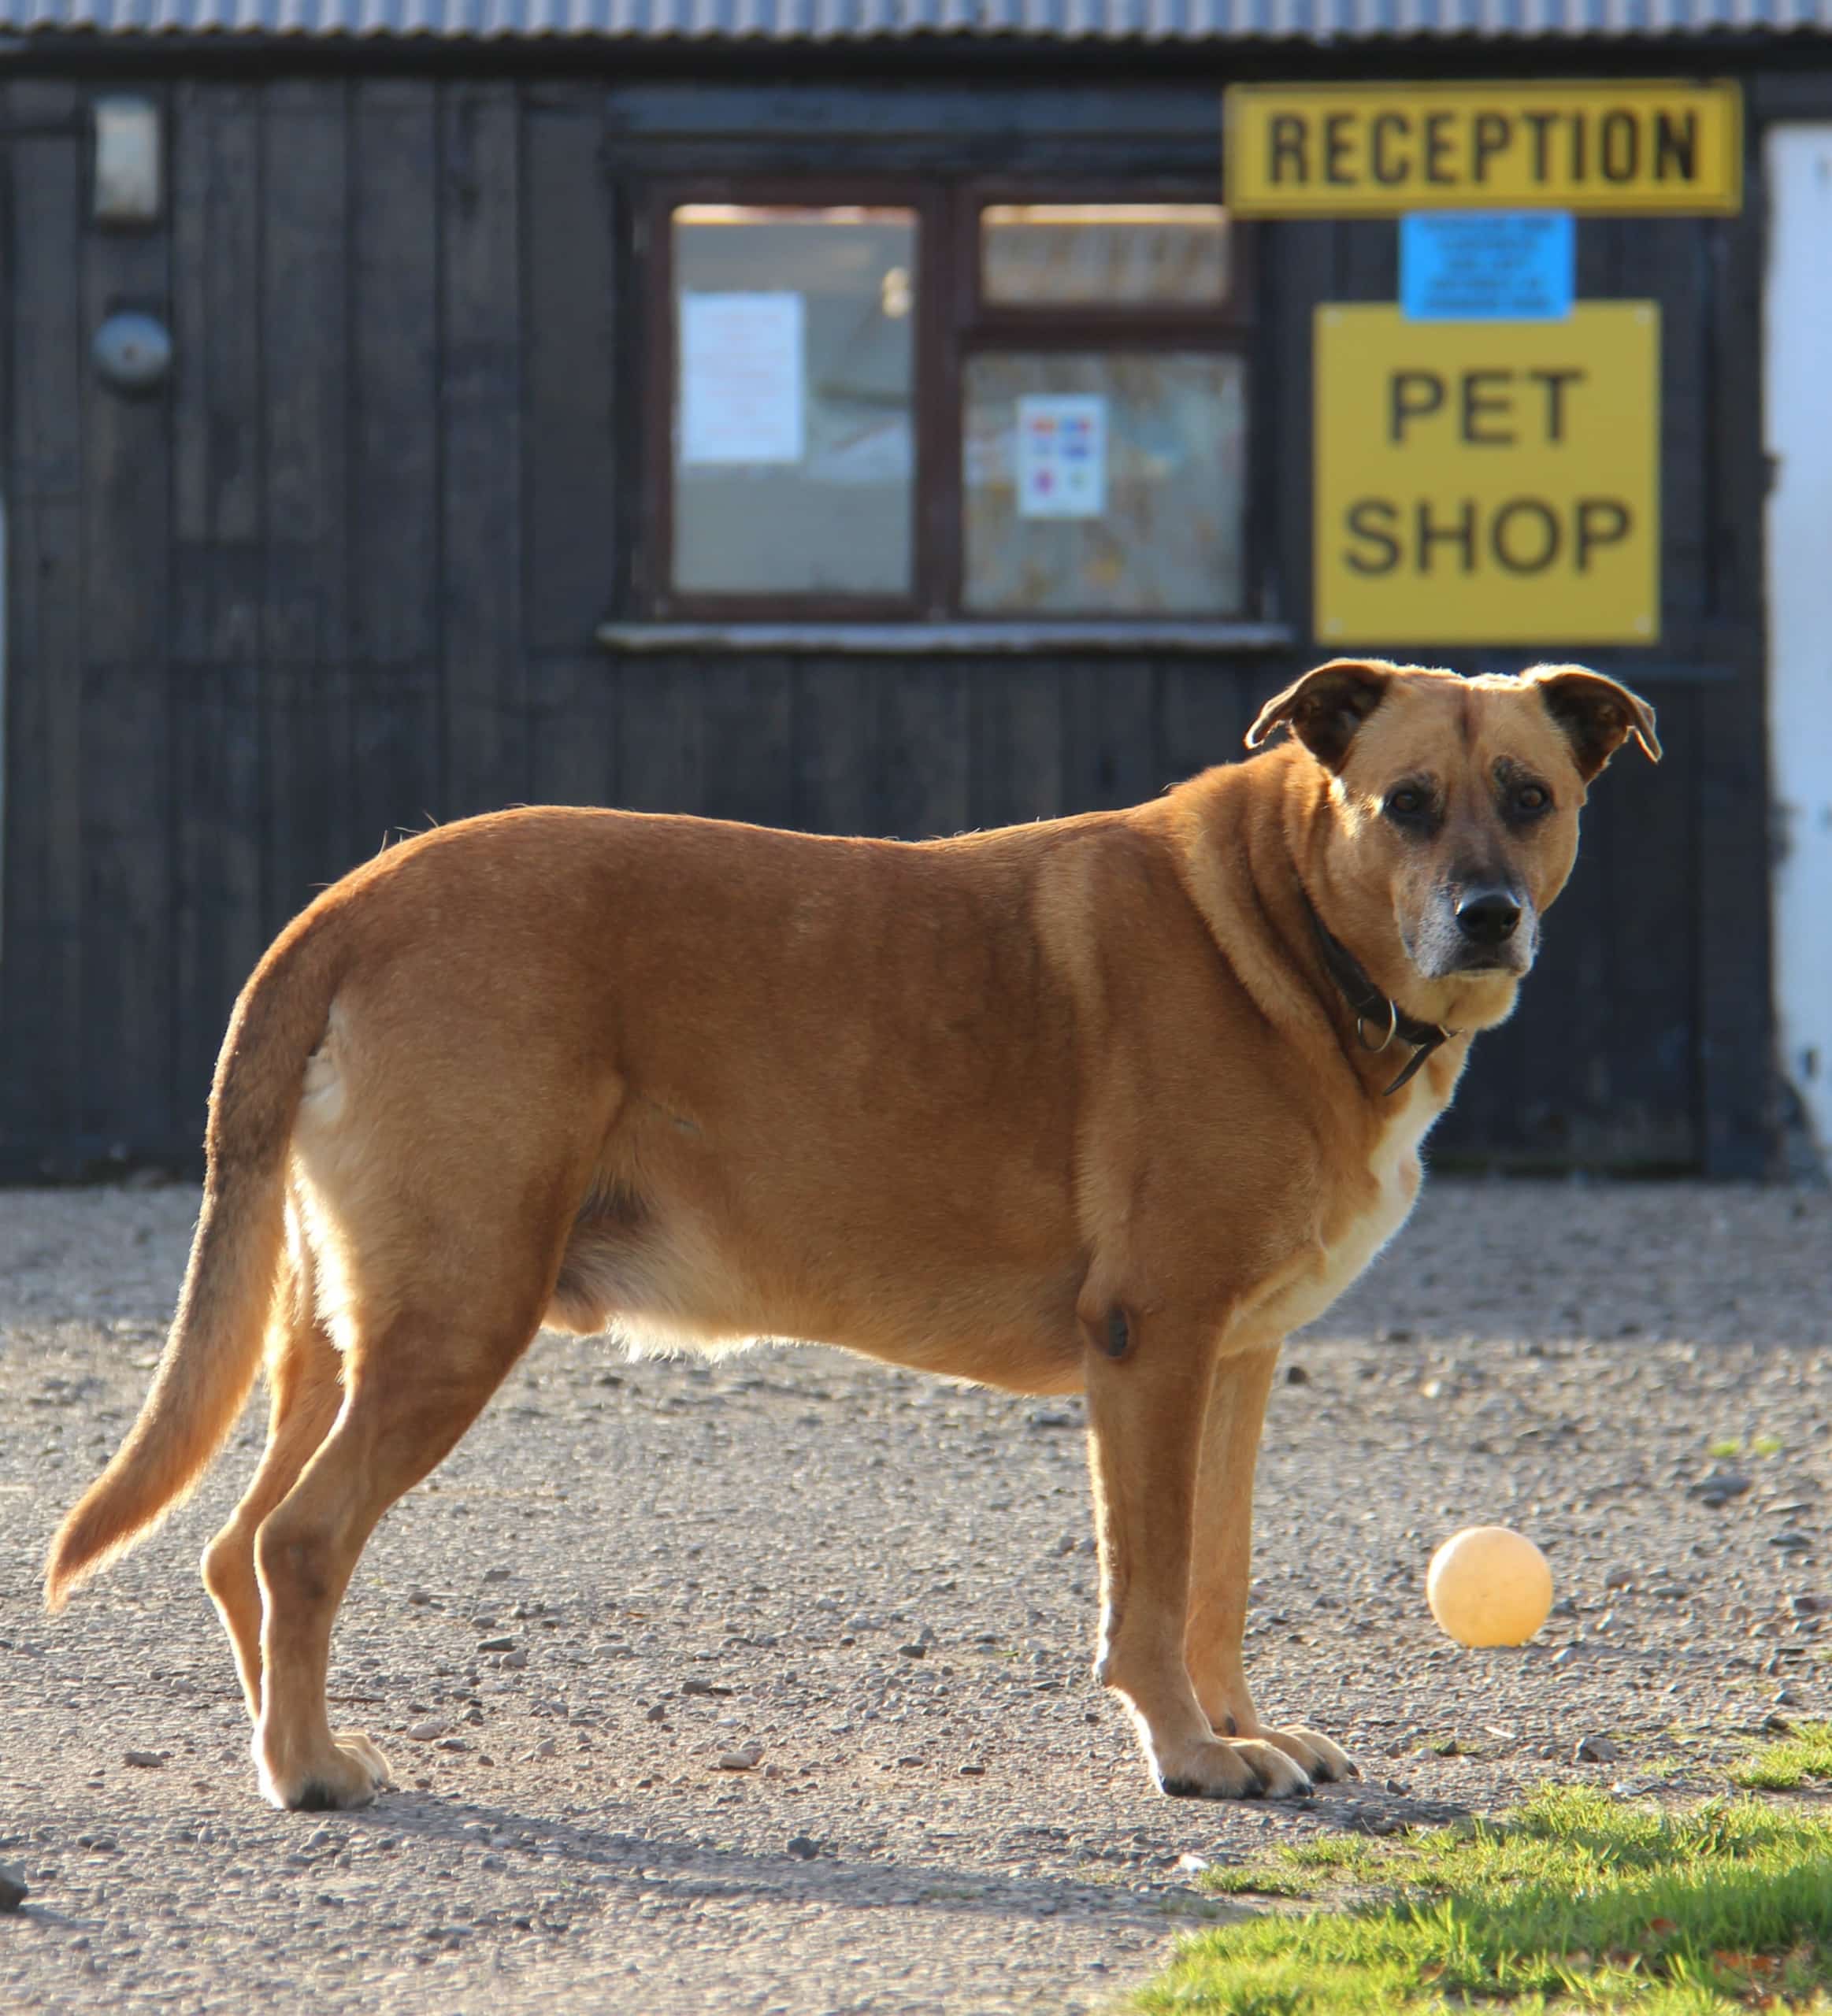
(1147, 1383)
(1221, 1566)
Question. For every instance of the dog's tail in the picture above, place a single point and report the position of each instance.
(213, 1350)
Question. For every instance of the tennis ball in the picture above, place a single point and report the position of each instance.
(1489, 1585)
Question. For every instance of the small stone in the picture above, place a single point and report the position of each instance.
(657, 1714)
(1792, 1540)
(429, 1731)
(972, 1771)
(515, 1659)
(144, 1760)
(1188, 1864)
(419, 1595)
(1567, 1655)
(1809, 1605)
(496, 1645)
(13, 1888)
(1787, 1698)
(1295, 1375)
(495, 1574)
(745, 1759)
(546, 1747)
(1619, 1577)
(703, 1687)
(1050, 1418)
(1717, 1486)
(913, 1651)
(1776, 1726)
(1596, 1750)
(802, 1847)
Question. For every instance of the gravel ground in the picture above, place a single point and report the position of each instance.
(886, 1588)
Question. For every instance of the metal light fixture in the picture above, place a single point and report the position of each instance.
(129, 184)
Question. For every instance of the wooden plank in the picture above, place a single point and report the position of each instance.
(43, 299)
(218, 924)
(835, 748)
(749, 706)
(572, 722)
(310, 831)
(1736, 1012)
(40, 907)
(217, 396)
(1299, 274)
(126, 469)
(125, 1088)
(304, 284)
(927, 776)
(1017, 743)
(571, 338)
(394, 491)
(485, 733)
(1202, 717)
(41, 1022)
(1110, 758)
(394, 757)
(126, 985)
(1650, 915)
(661, 723)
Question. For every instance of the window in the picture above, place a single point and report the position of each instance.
(914, 401)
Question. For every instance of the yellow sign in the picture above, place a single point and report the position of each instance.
(1487, 483)
(1376, 149)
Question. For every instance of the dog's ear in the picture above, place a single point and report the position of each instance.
(1597, 715)
(1325, 707)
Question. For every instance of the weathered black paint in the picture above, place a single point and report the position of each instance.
(343, 577)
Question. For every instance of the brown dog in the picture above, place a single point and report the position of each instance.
(1107, 1104)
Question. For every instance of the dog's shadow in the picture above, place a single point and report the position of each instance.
(603, 1861)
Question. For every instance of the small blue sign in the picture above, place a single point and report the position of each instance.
(1487, 265)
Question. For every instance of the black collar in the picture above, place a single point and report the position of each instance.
(1372, 1009)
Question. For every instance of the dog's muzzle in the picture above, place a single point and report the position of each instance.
(1476, 927)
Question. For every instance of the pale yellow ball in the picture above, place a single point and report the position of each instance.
(1489, 1585)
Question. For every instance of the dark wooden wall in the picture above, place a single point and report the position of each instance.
(342, 576)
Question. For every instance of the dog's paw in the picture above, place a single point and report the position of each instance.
(349, 1773)
(1224, 1768)
(1324, 1762)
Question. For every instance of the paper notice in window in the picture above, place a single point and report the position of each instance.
(741, 379)
(1061, 455)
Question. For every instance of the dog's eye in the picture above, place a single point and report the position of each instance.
(1407, 802)
(1530, 799)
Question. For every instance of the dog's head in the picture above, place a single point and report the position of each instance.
(1449, 815)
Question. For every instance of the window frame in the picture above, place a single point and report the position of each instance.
(953, 322)
(661, 379)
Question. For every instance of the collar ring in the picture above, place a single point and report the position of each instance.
(1374, 1049)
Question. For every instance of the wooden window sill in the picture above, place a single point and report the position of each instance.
(1009, 639)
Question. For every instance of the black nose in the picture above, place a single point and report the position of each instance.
(1487, 917)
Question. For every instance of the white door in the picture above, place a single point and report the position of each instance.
(1798, 425)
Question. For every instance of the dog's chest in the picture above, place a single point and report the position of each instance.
(1384, 1202)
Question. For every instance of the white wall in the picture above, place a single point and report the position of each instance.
(1797, 429)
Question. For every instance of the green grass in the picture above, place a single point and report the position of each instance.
(1577, 1902)
(1783, 1767)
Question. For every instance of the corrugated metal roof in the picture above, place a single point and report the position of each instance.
(862, 20)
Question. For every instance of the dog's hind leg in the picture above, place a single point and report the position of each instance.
(305, 1376)
(1220, 1567)
(1148, 1384)
(412, 1389)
